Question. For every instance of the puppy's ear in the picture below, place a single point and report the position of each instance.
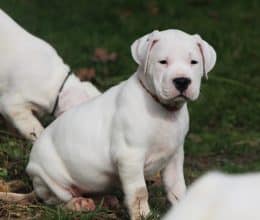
(208, 55)
(141, 48)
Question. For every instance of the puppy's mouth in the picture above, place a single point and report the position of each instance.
(177, 101)
(181, 98)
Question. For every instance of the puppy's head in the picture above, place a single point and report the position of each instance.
(172, 64)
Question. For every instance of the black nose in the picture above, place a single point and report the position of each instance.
(181, 83)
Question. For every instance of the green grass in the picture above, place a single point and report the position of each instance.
(225, 121)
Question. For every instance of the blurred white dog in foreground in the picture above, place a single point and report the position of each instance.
(130, 132)
(218, 196)
(34, 79)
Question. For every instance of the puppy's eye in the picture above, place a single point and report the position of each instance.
(193, 61)
(163, 62)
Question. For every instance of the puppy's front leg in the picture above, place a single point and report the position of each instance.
(24, 121)
(173, 177)
(131, 172)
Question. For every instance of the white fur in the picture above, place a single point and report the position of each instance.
(220, 196)
(31, 74)
(122, 135)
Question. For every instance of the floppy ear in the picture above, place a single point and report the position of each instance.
(141, 48)
(208, 54)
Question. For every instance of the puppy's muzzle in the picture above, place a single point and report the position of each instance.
(181, 83)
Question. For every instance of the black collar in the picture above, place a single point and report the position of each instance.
(57, 97)
(155, 97)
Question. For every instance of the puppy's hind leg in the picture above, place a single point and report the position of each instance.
(41, 190)
(44, 192)
(74, 203)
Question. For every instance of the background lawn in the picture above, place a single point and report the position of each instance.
(225, 121)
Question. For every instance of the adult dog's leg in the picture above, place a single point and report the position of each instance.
(173, 177)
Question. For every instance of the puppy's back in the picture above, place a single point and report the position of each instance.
(9, 29)
(27, 63)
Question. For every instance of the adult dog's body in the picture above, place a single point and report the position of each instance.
(31, 75)
(220, 196)
(133, 130)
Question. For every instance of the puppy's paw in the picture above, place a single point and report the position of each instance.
(81, 204)
(140, 207)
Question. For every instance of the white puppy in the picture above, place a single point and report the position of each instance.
(219, 196)
(32, 76)
(132, 131)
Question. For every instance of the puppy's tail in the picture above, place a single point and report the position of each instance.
(18, 197)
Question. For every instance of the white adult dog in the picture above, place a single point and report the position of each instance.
(132, 131)
(32, 77)
(220, 196)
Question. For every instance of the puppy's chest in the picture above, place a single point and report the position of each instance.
(164, 144)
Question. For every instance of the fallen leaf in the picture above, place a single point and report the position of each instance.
(86, 74)
(214, 15)
(101, 54)
(12, 186)
(153, 8)
(4, 187)
(125, 13)
(195, 138)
